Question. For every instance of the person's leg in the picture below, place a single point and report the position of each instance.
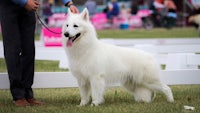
(12, 49)
(27, 29)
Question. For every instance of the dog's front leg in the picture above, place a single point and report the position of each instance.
(98, 88)
(85, 91)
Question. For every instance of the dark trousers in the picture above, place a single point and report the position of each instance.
(18, 29)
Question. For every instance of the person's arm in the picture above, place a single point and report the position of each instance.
(194, 4)
(69, 4)
(30, 5)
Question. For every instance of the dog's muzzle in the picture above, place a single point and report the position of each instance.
(71, 39)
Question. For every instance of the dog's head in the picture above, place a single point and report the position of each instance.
(75, 27)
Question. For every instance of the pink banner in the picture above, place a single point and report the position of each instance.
(52, 39)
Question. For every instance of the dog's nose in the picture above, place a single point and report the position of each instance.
(66, 34)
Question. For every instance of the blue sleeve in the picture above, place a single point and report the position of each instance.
(66, 1)
(20, 2)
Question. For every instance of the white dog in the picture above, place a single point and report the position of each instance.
(96, 64)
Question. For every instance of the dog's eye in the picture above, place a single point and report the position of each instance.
(75, 25)
(67, 25)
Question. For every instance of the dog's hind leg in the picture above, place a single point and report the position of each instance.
(97, 88)
(140, 93)
(157, 86)
(143, 94)
(85, 91)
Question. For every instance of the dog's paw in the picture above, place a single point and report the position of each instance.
(97, 103)
(171, 100)
(94, 104)
(144, 95)
(83, 103)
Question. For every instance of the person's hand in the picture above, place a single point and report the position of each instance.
(73, 9)
(32, 5)
(196, 7)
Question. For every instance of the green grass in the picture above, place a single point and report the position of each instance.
(2, 65)
(154, 33)
(40, 66)
(117, 100)
(44, 65)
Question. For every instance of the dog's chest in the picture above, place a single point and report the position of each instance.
(78, 64)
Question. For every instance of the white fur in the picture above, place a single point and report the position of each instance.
(96, 64)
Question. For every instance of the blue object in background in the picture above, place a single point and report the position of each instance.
(124, 26)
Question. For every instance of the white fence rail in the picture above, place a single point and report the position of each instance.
(65, 79)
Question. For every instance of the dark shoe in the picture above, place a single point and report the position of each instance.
(21, 103)
(33, 101)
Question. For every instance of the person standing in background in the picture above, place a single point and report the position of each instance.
(46, 11)
(134, 7)
(18, 29)
(171, 15)
(91, 6)
(113, 10)
(196, 5)
(159, 4)
(124, 13)
(195, 15)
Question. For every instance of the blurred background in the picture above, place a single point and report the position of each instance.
(125, 14)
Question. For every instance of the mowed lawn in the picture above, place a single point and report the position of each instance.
(188, 32)
(117, 100)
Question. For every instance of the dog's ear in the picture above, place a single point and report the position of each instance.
(69, 11)
(85, 14)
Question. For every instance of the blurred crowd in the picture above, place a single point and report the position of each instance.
(162, 13)
(195, 16)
